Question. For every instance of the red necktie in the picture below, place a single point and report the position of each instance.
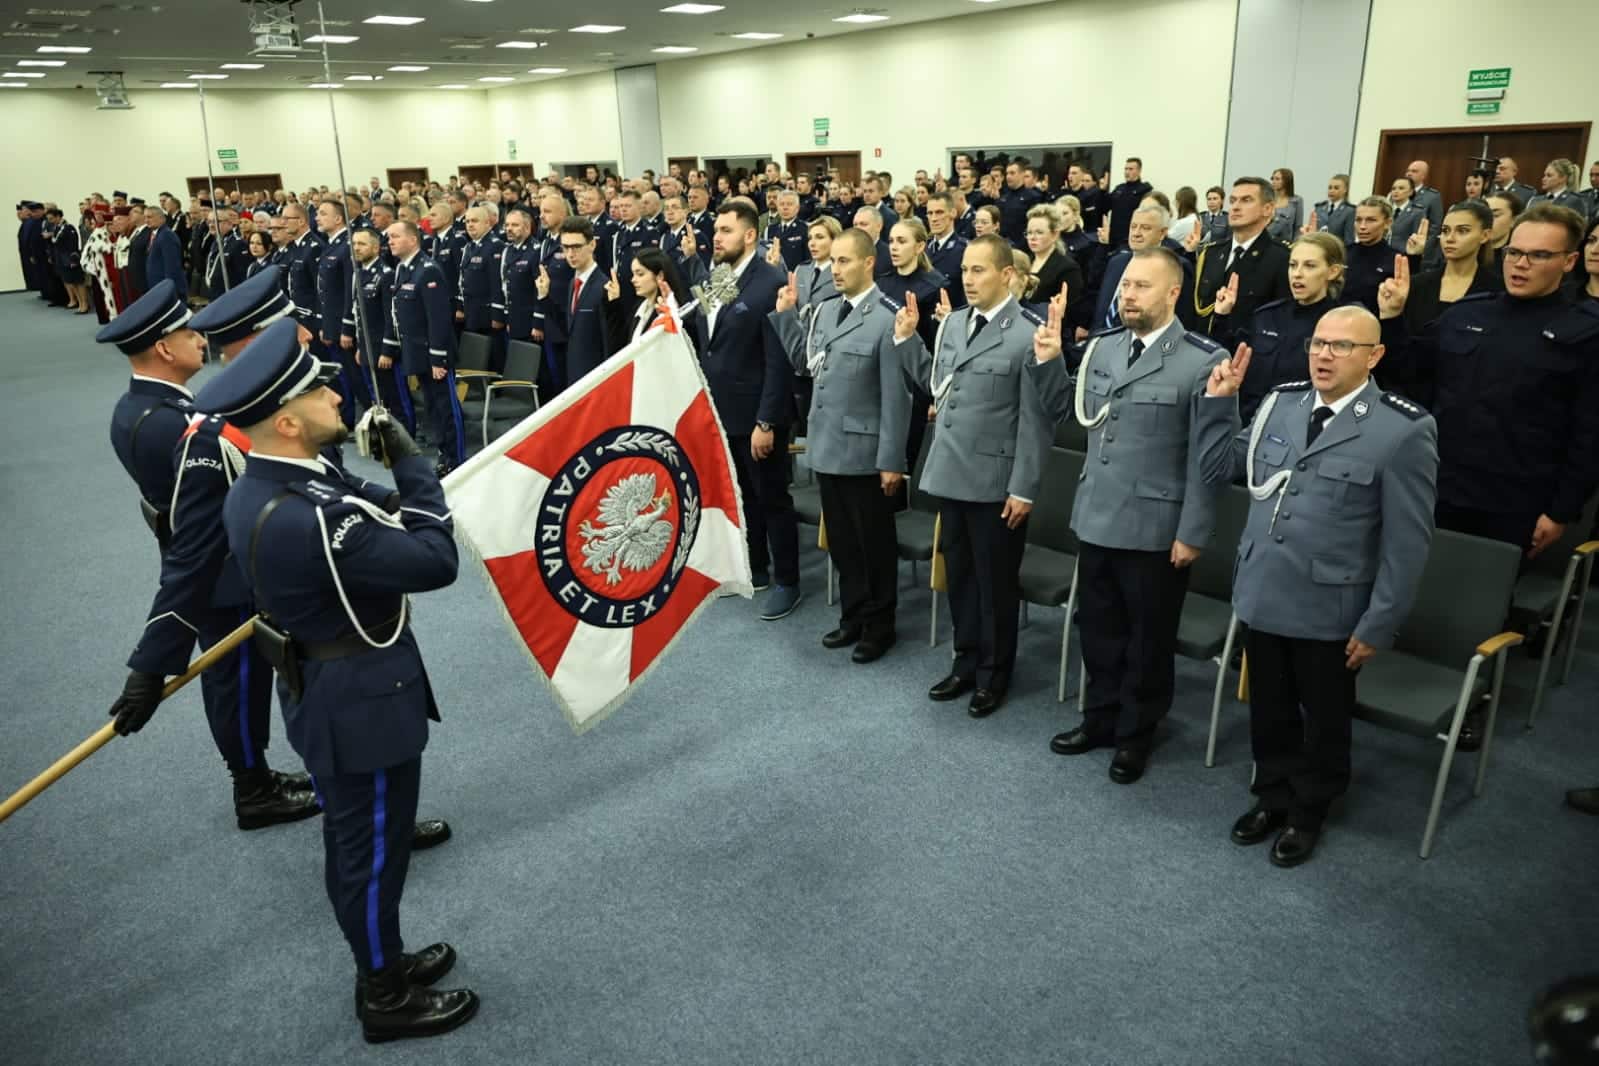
(577, 287)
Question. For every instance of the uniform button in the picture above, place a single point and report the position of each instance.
(1293, 492)
(399, 684)
(957, 388)
(1279, 538)
(1118, 392)
(1301, 466)
(1109, 438)
(1165, 492)
(1286, 516)
(1104, 460)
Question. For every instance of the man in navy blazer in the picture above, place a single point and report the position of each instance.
(752, 385)
(1146, 229)
(165, 261)
(575, 309)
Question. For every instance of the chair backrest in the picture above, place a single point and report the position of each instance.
(1463, 598)
(1553, 559)
(1070, 434)
(919, 500)
(472, 351)
(1050, 524)
(1213, 570)
(522, 361)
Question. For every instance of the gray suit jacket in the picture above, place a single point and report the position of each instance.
(1406, 223)
(1141, 487)
(860, 408)
(1345, 551)
(1339, 221)
(813, 285)
(993, 432)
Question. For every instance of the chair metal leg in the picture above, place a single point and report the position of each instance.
(830, 581)
(1467, 687)
(1221, 683)
(1551, 640)
(1584, 576)
(932, 628)
(488, 398)
(1493, 716)
(1066, 639)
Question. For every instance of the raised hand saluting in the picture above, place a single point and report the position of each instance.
(613, 288)
(1393, 293)
(543, 283)
(1227, 376)
(788, 295)
(1313, 225)
(1046, 338)
(774, 254)
(1195, 235)
(1104, 230)
(689, 245)
(1227, 296)
(943, 309)
(907, 318)
(1416, 243)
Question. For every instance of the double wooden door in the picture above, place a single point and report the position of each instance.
(1454, 152)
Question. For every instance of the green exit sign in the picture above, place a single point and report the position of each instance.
(1489, 78)
(227, 153)
(230, 166)
(1482, 107)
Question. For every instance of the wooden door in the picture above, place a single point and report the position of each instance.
(241, 183)
(1453, 153)
(521, 171)
(847, 164)
(399, 175)
(687, 162)
(479, 174)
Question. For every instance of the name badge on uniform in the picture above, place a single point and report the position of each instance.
(408, 286)
(1275, 439)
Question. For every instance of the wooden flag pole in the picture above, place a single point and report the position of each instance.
(102, 736)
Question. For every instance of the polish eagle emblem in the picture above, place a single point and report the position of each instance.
(634, 535)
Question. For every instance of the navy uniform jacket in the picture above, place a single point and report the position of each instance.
(519, 272)
(1142, 486)
(553, 260)
(604, 246)
(373, 285)
(946, 256)
(744, 362)
(1517, 401)
(1276, 335)
(1262, 277)
(1339, 549)
(1366, 267)
(440, 247)
(479, 294)
(671, 242)
(627, 242)
(300, 260)
(1013, 207)
(1121, 202)
(844, 211)
(422, 320)
(966, 224)
(333, 285)
(165, 262)
(370, 710)
(161, 412)
(790, 238)
(66, 249)
(926, 284)
(1096, 201)
(138, 260)
(234, 258)
(582, 331)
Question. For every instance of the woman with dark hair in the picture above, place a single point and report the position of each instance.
(1478, 182)
(1288, 215)
(654, 275)
(1468, 269)
(260, 253)
(1213, 219)
(986, 220)
(1583, 282)
(1505, 206)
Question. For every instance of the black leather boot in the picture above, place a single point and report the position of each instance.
(423, 968)
(395, 1009)
(259, 801)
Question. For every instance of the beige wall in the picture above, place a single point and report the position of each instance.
(566, 120)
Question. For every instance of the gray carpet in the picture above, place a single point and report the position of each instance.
(769, 856)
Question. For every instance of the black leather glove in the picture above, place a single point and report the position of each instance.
(397, 443)
(141, 695)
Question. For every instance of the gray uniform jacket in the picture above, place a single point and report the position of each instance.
(1339, 220)
(860, 407)
(1339, 550)
(1142, 486)
(992, 430)
(813, 285)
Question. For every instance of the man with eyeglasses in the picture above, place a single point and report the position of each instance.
(1343, 477)
(1517, 385)
(575, 311)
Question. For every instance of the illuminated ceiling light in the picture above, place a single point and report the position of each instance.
(64, 49)
(242, 66)
(41, 62)
(495, 77)
(757, 36)
(596, 27)
(24, 74)
(180, 85)
(548, 70)
(363, 77)
(862, 16)
(408, 70)
(324, 85)
(458, 86)
(209, 77)
(331, 38)
(675, 49)
(691, 9)
(520, 44)
(393, 20)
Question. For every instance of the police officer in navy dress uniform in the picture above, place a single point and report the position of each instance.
(480, 301)
(1343, 477)
(331, 567)
(374, 291)
(182, 474)
(422, 327)
(1259, 260)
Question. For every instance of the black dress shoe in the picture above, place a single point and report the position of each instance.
(1585, 800)
(842, 637)
(1471, 730)
(423, 968)
(394, 1008)
(293, 782)
(1079, 740)
(871, 649)
(1257, 825)
(1294, 846)
(258, 801)
(1127, 765)
(952, 687)
(429, 833)
(985, 701)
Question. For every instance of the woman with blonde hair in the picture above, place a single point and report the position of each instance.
(1052, 266)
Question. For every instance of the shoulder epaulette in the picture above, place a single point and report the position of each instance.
(1108, 331)
(1202, 342)
(318, 492)
(1293, 386)
(887, 301)
(1032, 316)
(1578, 322)
(1269, 306)
(1403, 406)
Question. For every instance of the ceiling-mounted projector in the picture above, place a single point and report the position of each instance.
(113, 94)
(272, 26)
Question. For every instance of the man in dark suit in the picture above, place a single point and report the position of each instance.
(945, 247)
(1126, 197)
(575, 311)
(165, 261)
(1146, 229)
(1505, 180)
(750, 379)
(1260, 262)
(139, 250)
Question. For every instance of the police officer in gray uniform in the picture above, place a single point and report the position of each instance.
(860, 417)
(1344, 477)
(1143, 511)
(1336, 215)
(985, 463)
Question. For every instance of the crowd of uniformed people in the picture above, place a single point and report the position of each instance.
(1371, 369)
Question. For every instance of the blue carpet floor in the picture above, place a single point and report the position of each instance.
(769, 856)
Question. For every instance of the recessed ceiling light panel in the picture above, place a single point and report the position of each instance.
(597, 27)
(331, 38)
(393, 20)
(691, 9)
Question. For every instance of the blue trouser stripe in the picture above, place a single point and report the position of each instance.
(460, 421)
(379, 819)
(403, 391)
(244, 703)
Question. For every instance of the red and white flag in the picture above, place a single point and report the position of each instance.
(606, 521)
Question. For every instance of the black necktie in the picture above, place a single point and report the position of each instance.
(843, 311)
(1138, 349)
(1238, 253)
(1318, 422)
(978, 322)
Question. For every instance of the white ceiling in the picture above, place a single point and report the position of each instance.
(168, 41)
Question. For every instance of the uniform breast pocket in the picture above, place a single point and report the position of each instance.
(1459, 341)
(1272, 454)
(1157, 407)
(855, 360)
(853, 424)
(1000, 376)
(1346, 482)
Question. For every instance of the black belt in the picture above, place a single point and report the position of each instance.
(343, 647)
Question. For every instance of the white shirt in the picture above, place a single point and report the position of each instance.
(738, 272)
(988, 314)
(1338, 404)
(169, 384)
(1242, 246)
(1149, 339)
(316, 465)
